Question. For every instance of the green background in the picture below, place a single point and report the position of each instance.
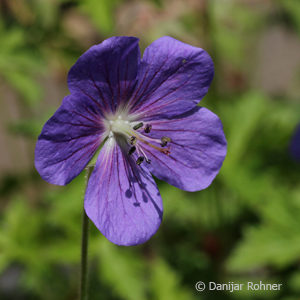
(244, 227)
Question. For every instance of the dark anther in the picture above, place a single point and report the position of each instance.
(164, 141)
(148, 161)
(147, 128)
(131, 150)
(139, 160)
(132, 140)
(138, 126)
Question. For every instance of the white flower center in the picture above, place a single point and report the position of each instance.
(133, 137)
(120, 125)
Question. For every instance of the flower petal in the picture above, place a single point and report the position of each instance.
(122, 199)
(295, 144)
(197, 149)
(173, 77)
(107, 72)
(68, 140)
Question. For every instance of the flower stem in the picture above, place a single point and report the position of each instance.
(84, 249)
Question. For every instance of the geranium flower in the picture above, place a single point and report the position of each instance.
(142, 113)
(295, 144)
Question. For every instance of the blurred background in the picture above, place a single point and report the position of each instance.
(244, 227)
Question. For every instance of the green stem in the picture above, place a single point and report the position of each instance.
(84, 249)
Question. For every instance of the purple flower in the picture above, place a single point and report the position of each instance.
(295, 144)
(143, 113)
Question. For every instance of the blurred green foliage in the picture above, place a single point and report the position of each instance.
(244, 227)
(101, 13)
(19, 64)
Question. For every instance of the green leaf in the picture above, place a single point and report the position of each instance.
(166, 283)
(122, 269)
(101, 13)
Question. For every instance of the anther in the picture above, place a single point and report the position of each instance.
(131, 150)
(139, 160)
(147, 128)
(138, 126)
(148, 161)
(164, 141)
(132, 140)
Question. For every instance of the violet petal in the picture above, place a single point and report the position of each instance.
(68, 140)
(107, 72)
(197, 149)
(173, 77)
(122, 198)
(295, 144)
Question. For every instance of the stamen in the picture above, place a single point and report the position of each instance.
(164, 141)
(131, 150)
(140, 139)
(139, 160)
(148, 161)
(151, 139)
(148, 128)
(122, 130)
(132, 140)
(138, 126)
(166, 151)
